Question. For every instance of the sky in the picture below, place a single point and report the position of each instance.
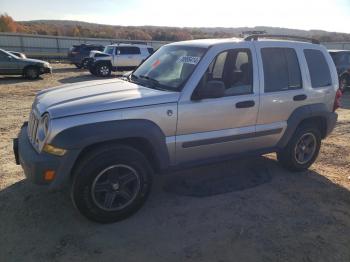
(329, 15)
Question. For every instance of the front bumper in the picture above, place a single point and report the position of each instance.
(46, 70)
(34, 164)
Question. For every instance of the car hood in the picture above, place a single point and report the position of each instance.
(95, 96)
(29, 60)
(94, 52)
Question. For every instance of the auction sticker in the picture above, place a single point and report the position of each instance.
(193, 60)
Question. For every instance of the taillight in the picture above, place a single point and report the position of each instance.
(338, 95)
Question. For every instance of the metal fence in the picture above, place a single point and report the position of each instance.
(57, 46)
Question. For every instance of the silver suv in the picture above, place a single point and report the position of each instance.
(118, 57)
(189, 103)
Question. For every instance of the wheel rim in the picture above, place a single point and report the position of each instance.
(305, 148)
(31, 73)
(115, 187)
(104, 70)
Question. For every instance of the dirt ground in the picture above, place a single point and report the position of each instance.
(243, 210)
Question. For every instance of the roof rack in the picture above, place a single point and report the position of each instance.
(255, 37)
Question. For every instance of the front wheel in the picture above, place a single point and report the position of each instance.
(111, 184)
(103, 70)
(302, 150)
(31, 72)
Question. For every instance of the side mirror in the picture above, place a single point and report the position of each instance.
(118, 52)
(9, 57)
(211, 89)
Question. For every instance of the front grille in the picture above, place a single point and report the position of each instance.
(33, 128)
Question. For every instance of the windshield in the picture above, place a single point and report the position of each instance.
(109, 50)
(6, 53)
(169, 67)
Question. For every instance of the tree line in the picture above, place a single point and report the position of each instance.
(82, 29)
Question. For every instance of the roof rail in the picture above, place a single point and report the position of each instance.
(290, 37)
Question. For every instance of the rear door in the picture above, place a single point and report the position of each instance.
(283, 87)
(128, 56)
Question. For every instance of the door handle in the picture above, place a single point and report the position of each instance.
(299, 97)
(245, 104)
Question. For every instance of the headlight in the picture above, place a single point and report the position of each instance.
(43, 128)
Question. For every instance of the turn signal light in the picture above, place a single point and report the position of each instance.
(49, 175)
(338, 95)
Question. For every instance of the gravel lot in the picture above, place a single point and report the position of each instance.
(231, 211)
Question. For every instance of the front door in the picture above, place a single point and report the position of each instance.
(8, 64)
(216, 127)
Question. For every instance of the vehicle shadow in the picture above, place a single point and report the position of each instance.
(86, 77)
(251, 210)
(66, 69)
(80, 78)
(17, 79)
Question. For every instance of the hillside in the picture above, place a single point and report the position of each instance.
(84, 29)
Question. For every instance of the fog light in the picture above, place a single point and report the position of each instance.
(49, 175)
(54, 150)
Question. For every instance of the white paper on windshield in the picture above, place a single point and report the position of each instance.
(193, 60)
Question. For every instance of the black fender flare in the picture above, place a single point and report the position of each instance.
(307, 112)
(82, 136)
(102, 62)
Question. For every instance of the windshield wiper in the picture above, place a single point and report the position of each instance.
(150, 79)
(155, 82)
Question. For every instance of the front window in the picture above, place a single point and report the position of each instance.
(169, 67)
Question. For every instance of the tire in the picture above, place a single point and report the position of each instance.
(103, 69)
(92, 70)
(85, 64)
(78, 66)
(291, 156)
(31, 72)
(344, 83)
(111, 183)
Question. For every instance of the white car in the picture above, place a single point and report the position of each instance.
(118, 57)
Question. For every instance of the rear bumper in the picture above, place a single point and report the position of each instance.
(34, 164)
(331, 122)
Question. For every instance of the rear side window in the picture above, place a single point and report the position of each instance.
(318, 68)
(129, 50)
(281, 69)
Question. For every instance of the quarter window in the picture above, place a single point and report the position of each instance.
(281, 69)
(318, 67)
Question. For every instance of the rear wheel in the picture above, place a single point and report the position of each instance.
(344, 83)
(31, 72)
(85, 63)
(78, 65)
(302, 150)
(103, 70)
(111, 184)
